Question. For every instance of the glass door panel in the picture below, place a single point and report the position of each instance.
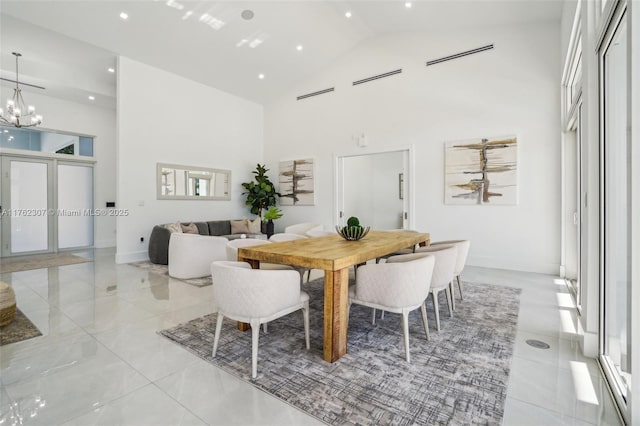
(615, 350)
(75, 204)
(27, 184)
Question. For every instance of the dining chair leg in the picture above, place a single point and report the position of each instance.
(373, 316)
(382, 315)
(308, 275)
(255, 336)
(216, 336)
(305, 318)
(425, 321)
(449, 294)
(405, 332)
(460, 287)
(264, 327)
(453, 293)
(434, 299)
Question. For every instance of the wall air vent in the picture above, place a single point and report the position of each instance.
(319, 92)
(375, 77)
(460, 55)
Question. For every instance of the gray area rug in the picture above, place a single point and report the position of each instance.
(164, 270)
(21, 328)
(460, 376)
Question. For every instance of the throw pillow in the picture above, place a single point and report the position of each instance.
(174, 227)
(191, 228)
(255, 226)
(240, 226)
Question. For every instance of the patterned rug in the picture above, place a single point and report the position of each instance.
(21, 328)
(164, 270)
(459, 376)
(25, 263)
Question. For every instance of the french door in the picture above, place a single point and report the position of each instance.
(47, 205)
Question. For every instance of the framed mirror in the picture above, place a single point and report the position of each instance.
(177, 182)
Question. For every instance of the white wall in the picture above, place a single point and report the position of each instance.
(166, 118)
(66, 116)
(512, 89)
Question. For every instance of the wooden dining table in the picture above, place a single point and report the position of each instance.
(335, 256)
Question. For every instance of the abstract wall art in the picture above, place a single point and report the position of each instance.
(481, 171)
(296, 181)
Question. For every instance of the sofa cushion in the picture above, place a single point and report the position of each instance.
(255, 226)
(173, 227)
(190, 229)
(239, 226)
(219, 227)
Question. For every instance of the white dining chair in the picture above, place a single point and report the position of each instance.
(463, 247)
(287, 236)
(256, 297)
(399, 285)
(233, 246)
(302, 228)
(445, 261)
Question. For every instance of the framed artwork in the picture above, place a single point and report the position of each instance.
(296, 183)
(481, 171)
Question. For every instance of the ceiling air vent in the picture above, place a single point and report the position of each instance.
(460, 55)
(375, 77)
(319, 92)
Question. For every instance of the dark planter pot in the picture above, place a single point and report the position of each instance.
(269, 228)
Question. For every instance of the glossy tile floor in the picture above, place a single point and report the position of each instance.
(100, 360)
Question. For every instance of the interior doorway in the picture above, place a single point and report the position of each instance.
(376, 188)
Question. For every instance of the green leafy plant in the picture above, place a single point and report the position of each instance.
(261, 194)
(273, 213)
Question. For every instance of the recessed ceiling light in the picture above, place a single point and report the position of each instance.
(408, 5)
(261, 76)
(91, 98)
(299, 47)
(348, 14)
(124, 15)
(111, 70)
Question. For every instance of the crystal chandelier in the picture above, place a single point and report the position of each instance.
(18, 114)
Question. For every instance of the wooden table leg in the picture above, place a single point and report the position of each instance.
(255, 264)
(336, 295)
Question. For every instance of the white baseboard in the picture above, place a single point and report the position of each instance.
(132, 256)
(514, 265)
(104, 243)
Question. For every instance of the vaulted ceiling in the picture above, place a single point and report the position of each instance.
(68, 46)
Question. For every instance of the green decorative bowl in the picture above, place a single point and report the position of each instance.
(352, 233)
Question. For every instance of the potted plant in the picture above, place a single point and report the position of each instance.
(261, 194)
(272, 214)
